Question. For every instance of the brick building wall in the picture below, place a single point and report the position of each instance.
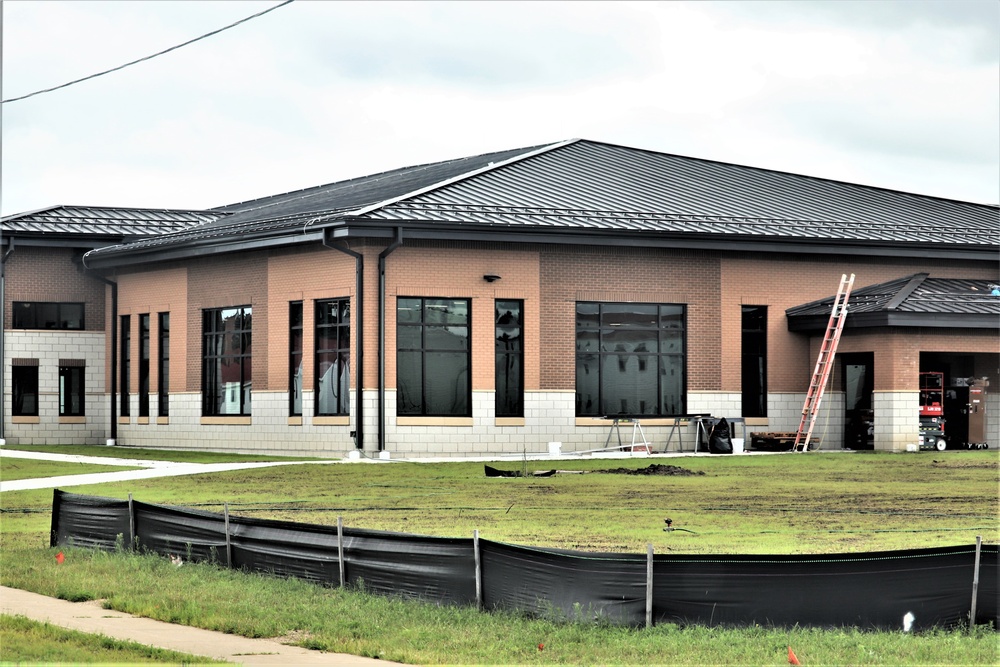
(50, 274)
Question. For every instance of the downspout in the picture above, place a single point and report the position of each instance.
(3, 325)
(381, 335)
(114, 357)
(359, 280)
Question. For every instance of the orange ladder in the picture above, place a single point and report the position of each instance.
(824, 364)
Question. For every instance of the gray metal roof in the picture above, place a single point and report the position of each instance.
(916, 300)
(102, 221)
(592, 192)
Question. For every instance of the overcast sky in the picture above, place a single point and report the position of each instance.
(902, 95)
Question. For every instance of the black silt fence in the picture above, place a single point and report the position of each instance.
(867, 590)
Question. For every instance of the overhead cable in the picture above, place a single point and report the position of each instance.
(172, 48)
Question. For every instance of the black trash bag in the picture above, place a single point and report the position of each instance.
(719, 441)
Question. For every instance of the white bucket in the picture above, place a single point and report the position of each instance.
(737, 445)
(555, 449)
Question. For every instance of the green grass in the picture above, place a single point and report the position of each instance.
(26, 641)
(804, 503)
(13, 469)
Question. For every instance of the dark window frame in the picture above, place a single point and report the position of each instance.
(24, 385)
(753, 360)
(230, 347)
(296, 345)
(509, 357)
(163, 365)
(596, 330)
(342, 325)
(26, 315)
(72, 384)
(434, 318)
(125, 402)
(144, 358)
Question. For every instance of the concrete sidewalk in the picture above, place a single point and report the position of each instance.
(91, 617)
(150, 469)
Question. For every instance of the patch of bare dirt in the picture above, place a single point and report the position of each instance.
(654, 469)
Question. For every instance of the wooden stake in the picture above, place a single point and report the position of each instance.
(975, 582)
(649, 585)
(340, 548)
(229, 544)
(479, 570)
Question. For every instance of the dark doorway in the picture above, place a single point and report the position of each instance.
(858, 373)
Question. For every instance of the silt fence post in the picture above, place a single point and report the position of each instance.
(975, 582)
(229, 545)
(340, 548)
(479, 570)
(649, 585)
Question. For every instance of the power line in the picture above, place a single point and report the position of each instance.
(172, 48)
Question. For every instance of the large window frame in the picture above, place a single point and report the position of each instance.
(509, 357)
(227, 361)
(72, 388)
(631, 359)
(68, 316)
(295, 358)
(125, 402)
(144, 352)
(24, 388)
(332, 357)
(163, 365)
(433, 357)
(753, 365)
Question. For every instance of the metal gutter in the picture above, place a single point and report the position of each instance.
(381, 334)
(359, 288)
(857, 321)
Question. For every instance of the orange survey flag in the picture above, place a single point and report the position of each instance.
(792, 660)
(60, 557)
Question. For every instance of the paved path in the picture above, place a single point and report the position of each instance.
(91, 617)
(150, 469)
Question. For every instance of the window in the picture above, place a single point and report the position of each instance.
(126, 369)
(163, 367)
(71, 388)
(47, 315)
(509, 367)
(333, 357)
(144, 365)
(754, 362)
(630, 359)
(432, 357)
(295, 358)
(24, 387)
(227, 367)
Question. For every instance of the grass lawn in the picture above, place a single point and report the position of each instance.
(785, 504)
(25, 641)
(12, 469)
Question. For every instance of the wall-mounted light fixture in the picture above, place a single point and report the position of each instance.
(491, 277)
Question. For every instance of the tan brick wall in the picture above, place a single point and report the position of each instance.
(571, 274)
(220, 282)
(782, 282)
(50, 274)
(154, 292)
(426, 270)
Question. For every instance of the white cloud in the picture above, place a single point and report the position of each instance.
(879, 93)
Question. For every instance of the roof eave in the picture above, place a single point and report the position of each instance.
(816, 324)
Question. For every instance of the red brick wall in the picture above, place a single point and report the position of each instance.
(50, 274)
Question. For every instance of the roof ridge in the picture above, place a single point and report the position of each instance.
(492, 166)
(791, 173)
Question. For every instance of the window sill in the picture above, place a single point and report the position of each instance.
(434, 421)
(124, 420)
(163, 421)
(295, 421)
(80, 419)
(231, 420)
(509, 421)
(332, 421)
(143, 420)
(755, 421)
(26, 419)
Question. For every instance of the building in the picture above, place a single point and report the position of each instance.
(493, 304)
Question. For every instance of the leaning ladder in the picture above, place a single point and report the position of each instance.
(824, 364)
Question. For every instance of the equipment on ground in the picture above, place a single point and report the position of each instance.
(932, 420)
